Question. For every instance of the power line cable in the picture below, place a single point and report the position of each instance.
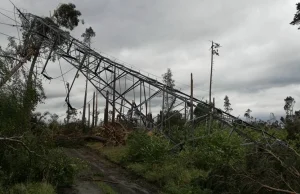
(17, 25)
(130, 65)
(6, 10)
(12, 25)
(9, 17)
(62, 77)
(63, 73)
(9, 36)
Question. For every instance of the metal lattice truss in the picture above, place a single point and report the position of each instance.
(107, 76)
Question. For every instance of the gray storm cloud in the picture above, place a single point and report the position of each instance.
(258, 64)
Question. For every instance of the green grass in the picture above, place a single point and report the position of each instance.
(114, 154)
(32, 188)
(105, 188)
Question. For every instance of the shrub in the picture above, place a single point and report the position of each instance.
(145, 148)
(54, 167)
(59, 169)
(32, 188)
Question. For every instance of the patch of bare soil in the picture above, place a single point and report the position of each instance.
(105, 177)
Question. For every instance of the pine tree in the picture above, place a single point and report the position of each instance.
(227, 104)
(247, 114)
(168, 80)
(289, 107)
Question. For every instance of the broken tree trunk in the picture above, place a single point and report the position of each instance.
(28, 97)
(106, 110)
(93, 113)
(89, 115)
(84, 104)
(96, 112)
(13, 71)
(96, 138)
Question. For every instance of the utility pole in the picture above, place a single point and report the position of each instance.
(214, 51)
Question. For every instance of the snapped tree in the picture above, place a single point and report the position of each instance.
(170, 82)
(34, 46)
(87, 37)
(227, 105)
(247, 114)
(289, 106)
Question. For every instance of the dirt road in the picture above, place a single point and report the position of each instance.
(113, 179)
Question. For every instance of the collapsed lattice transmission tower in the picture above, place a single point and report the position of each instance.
(106, 74)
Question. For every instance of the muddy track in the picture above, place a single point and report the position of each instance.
(114, 176)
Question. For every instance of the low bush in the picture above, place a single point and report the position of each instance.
(145, 148)
(54, 167)
(32, 188)
(214, 163)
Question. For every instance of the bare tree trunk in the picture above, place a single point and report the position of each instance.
(84, 104)
(106, 110)
(93, 114)
(12, 72)
(89, 116)
(96, 116)
(68, 115)
(27, 100)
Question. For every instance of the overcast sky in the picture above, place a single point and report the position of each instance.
(258, 64)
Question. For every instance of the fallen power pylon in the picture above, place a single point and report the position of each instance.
(112, 78)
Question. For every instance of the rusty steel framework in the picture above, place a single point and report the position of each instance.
(107, 75)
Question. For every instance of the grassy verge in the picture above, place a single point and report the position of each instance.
(179, 172)
(168, 174)
(32, 188)
(114, 154)
(105, 188)
(215, 163)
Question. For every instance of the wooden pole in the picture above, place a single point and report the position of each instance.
(210, 83)
(211, 115)
(211, 70)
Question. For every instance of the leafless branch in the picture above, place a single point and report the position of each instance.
(16, 139)
(263, 185)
